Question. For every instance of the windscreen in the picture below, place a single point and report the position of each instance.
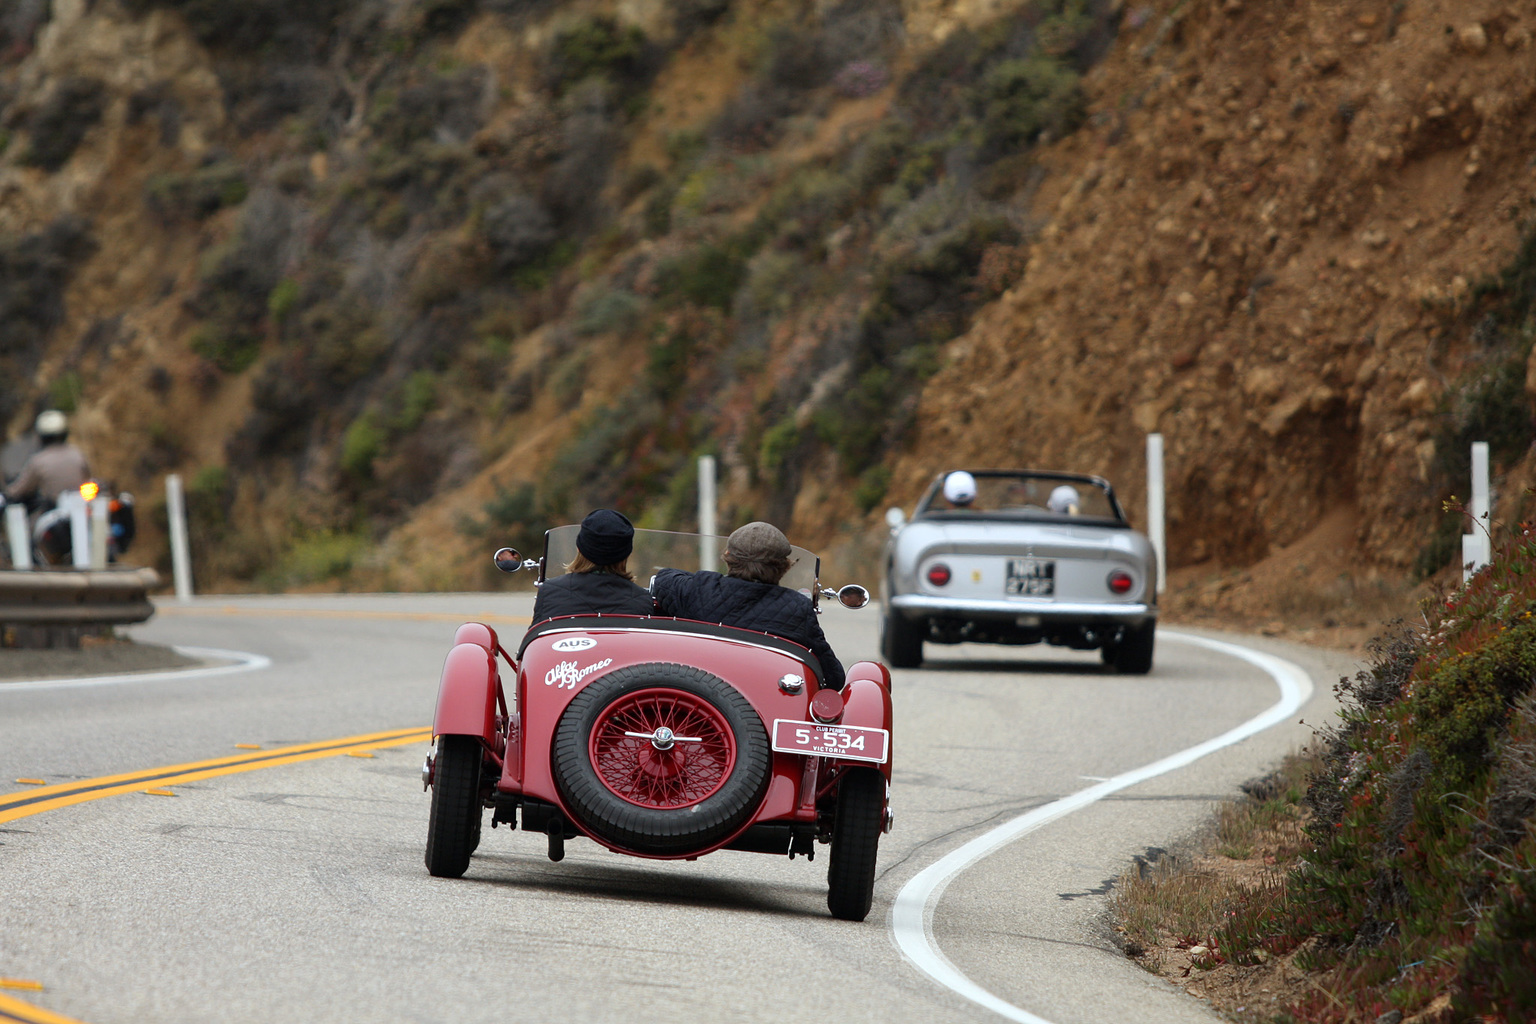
(662, 549)
(1028, 495)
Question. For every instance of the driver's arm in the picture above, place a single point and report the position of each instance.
(25, 483)
(831, 668)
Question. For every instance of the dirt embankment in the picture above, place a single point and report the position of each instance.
(1258, 248)
(1266, 243)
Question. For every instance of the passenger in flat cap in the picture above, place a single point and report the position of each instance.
(597, 581)
(749, 595)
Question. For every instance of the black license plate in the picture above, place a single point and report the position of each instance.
(1031, 577)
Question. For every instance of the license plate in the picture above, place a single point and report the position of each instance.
(850, 742)
(1031, 577)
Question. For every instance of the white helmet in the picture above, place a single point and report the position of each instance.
(960, 488)
(52, 423)
(1064, 499)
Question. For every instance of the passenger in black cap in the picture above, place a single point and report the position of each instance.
(597, 581)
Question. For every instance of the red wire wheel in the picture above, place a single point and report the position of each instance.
(693, 774)
(685, 755)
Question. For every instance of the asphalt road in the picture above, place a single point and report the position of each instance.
(298, 892)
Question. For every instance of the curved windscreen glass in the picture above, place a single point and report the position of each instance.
(663, 549)
(1025, 495)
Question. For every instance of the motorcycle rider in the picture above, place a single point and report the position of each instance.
(749, 595)
(598, 579)
(56, 467)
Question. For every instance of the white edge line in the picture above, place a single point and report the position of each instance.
(243, 661)
(911, 918)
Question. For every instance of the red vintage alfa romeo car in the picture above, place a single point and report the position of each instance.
(661, 737)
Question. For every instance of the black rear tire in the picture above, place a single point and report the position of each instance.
(453, 830)
(1132, 656)
(901, 643)
(655, 828)
(855, 842)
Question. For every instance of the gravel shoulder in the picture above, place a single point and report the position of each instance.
(93, 658)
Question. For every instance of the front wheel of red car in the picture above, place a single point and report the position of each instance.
(661, 759)
(453, 830)
(855, 841)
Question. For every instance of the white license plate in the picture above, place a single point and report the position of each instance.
(850, 742)
(1031, 577)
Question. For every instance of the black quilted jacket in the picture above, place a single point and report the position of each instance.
(711, 597)
(590, 593)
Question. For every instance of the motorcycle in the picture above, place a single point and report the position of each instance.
(53, 528)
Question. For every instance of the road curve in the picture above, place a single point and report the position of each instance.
(297, 889)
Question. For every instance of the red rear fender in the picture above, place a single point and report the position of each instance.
(466, 696)
(867, 702)
(476, 633)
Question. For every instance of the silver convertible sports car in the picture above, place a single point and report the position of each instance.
(1019, 557)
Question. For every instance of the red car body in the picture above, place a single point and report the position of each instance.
(646, 783)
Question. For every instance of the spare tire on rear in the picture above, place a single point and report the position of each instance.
(661, 759)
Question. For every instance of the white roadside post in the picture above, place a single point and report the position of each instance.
(100, 531)
(1477, 546)
(709, 555)
(79, 531)
(16, 530)
(176, 512)
(1155, 500)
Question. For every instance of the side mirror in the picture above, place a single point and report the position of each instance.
(853, 596)
(508, 559)
(895, 518)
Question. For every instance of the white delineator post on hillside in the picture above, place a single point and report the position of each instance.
(709, 554)
(181, 562)
(16, 530)
(1477, 546)
(1155, 500)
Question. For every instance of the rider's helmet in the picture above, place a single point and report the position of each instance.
(960, 488)
(52, 426)
(1064, 499)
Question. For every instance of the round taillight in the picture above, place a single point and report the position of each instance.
(827, 706)
(1120, 582)
(938, 574)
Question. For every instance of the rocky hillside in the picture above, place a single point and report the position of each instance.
(390, 280)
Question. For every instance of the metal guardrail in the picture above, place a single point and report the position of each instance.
(76, 598)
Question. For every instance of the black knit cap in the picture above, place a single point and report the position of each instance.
(606, 537)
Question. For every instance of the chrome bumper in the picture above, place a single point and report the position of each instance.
(913, 605)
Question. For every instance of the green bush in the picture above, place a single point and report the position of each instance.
(65, 391)
(231, 350)
(362, 443)
(418, 397)
(600, 48)
(283, 298)
(317, 558)
(58, 125)
(198, 194)
(707, 275)
(248, 26)
(609, 310)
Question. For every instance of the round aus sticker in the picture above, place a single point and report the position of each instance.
(574, 643)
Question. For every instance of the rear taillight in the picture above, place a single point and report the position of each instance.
(938, 574)
(1120, 582)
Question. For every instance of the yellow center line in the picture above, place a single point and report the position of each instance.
(24, 1013)
(35, 801)
(65, 794)
(340, 613)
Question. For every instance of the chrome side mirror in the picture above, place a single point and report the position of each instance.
(511, 560)
(853, 596)
(895, 518)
